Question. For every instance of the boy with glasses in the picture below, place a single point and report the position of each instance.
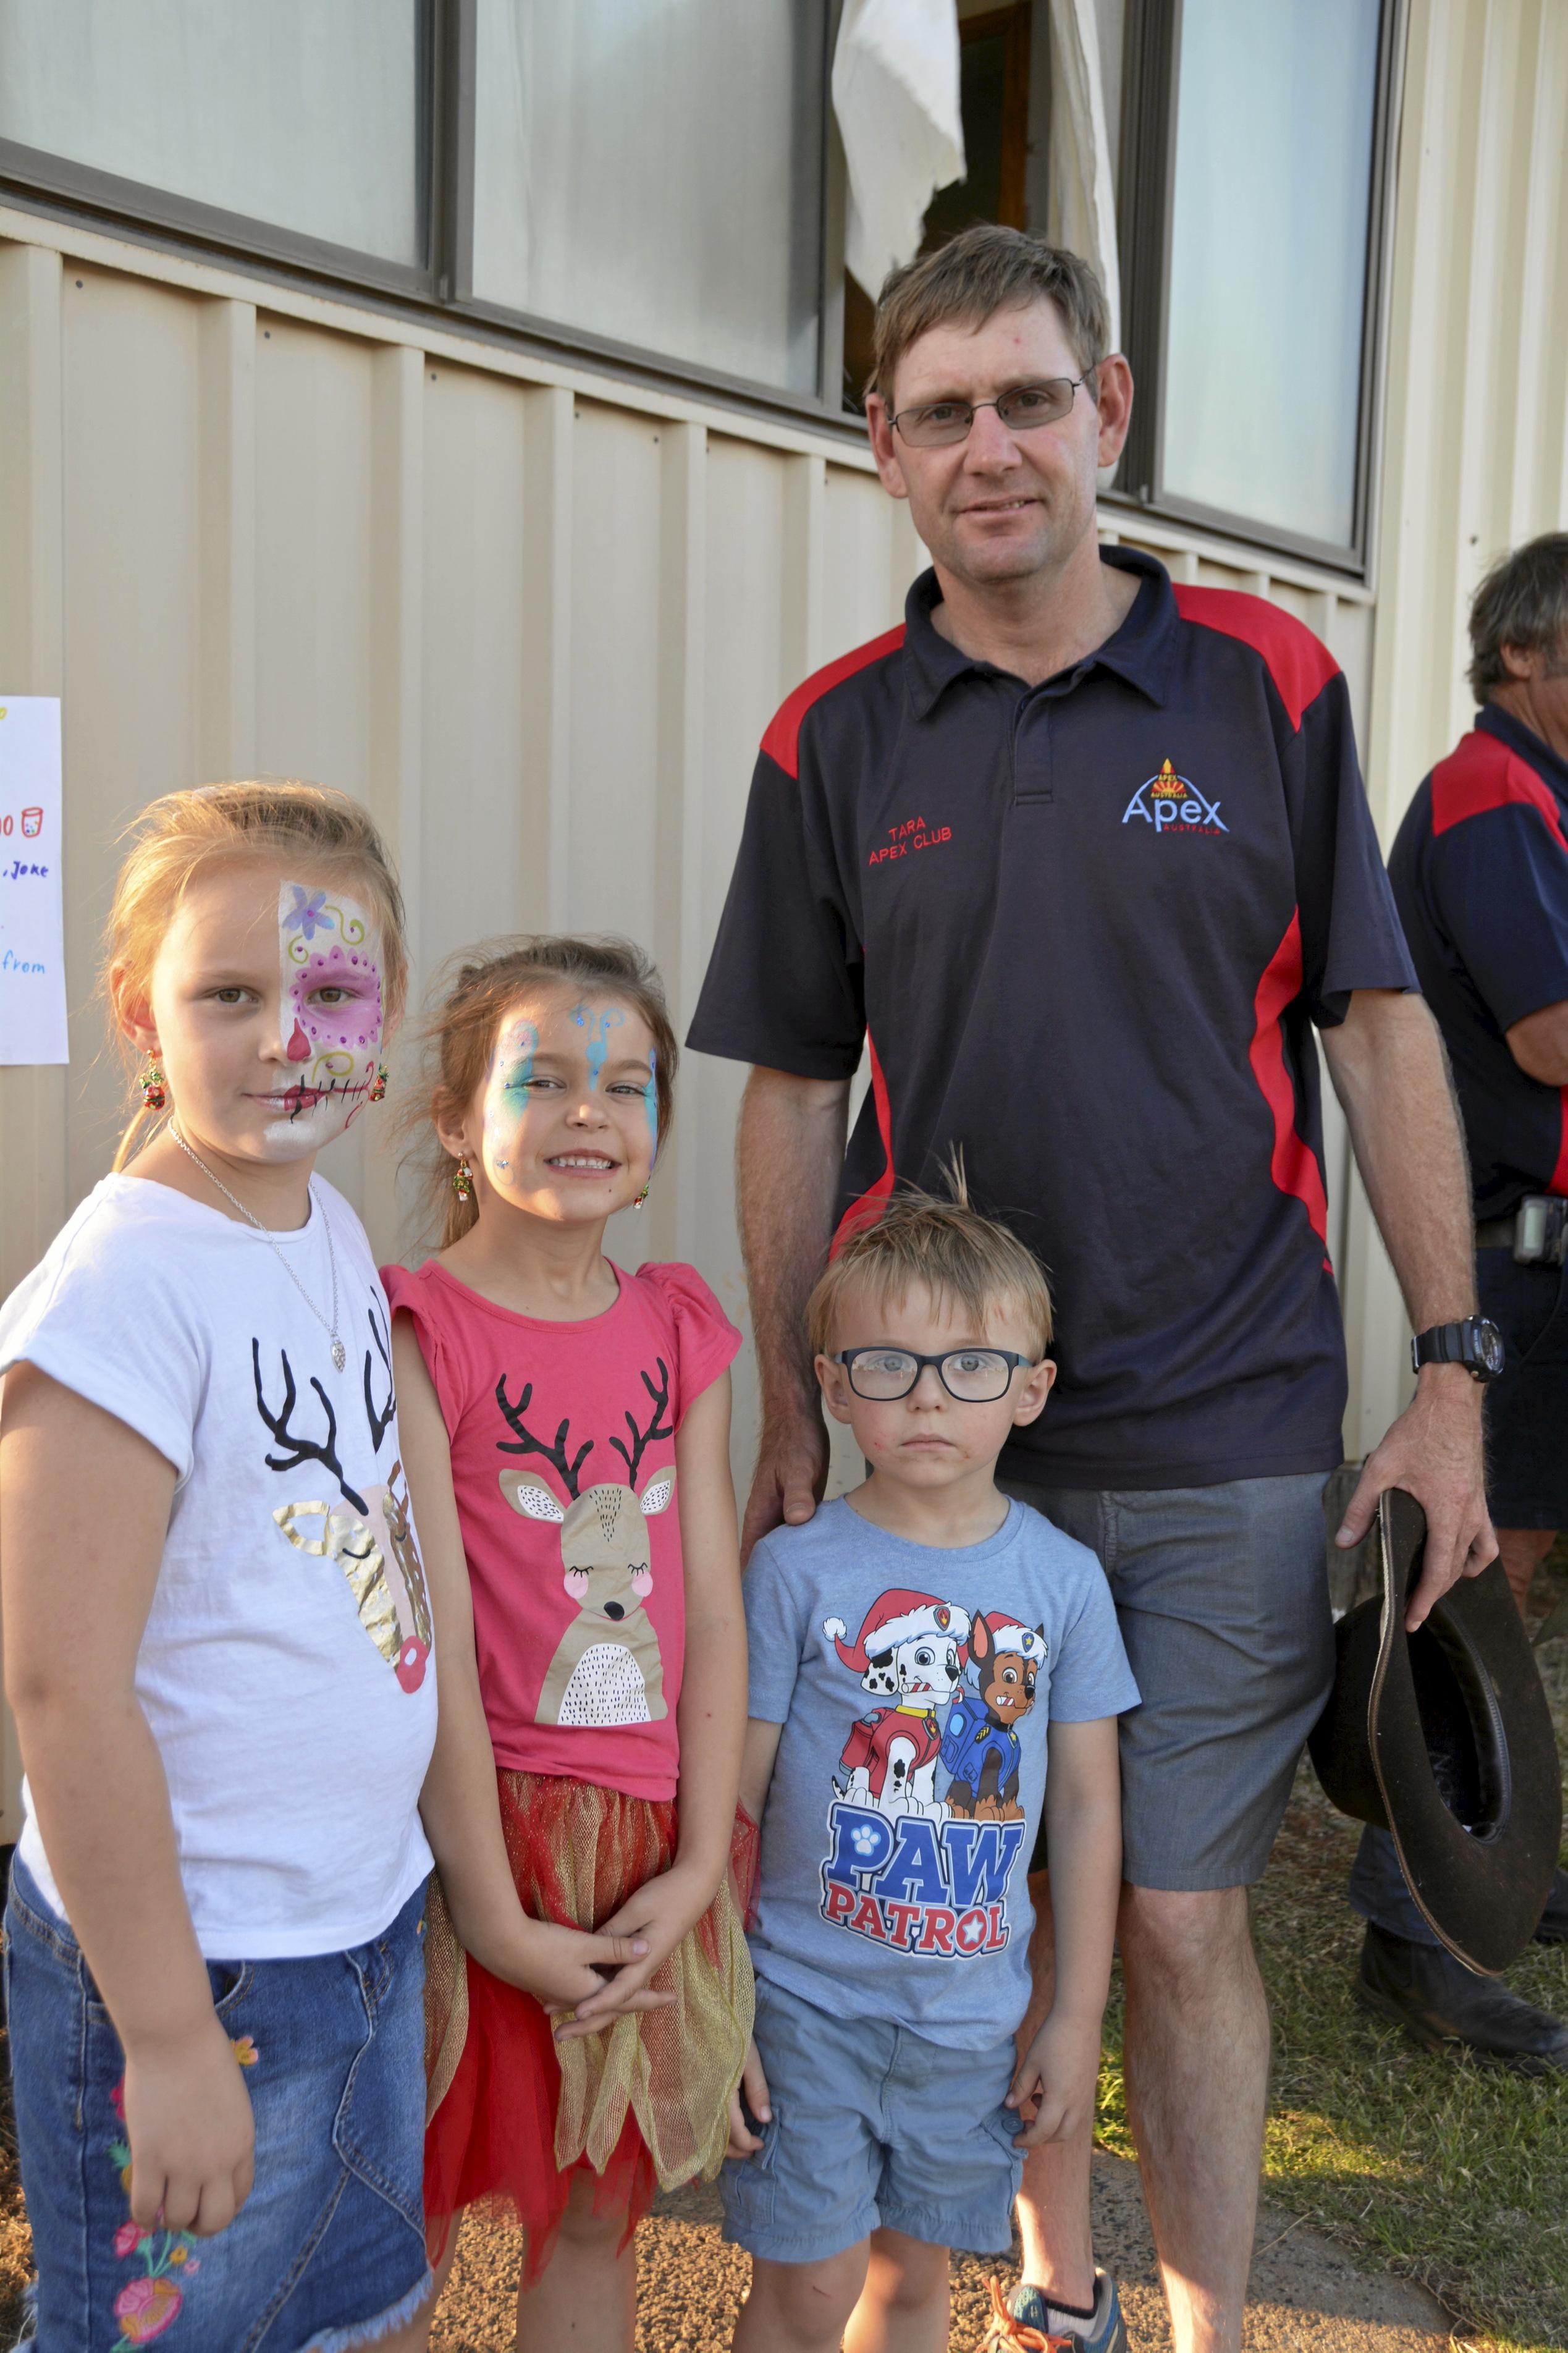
(886, 2107)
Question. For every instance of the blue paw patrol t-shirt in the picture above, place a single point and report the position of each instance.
(914, 1684)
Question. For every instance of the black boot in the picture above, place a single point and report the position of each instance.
(1435, 1998)
(1552, 1928)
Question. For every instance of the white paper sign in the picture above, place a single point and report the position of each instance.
(32, 936)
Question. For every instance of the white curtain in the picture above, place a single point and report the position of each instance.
(1082, 190)
(896, 96)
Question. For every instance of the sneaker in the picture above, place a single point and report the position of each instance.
(1034, 2323)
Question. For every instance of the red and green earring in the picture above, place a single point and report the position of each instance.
(378, 1091)
(463, 1178)
(153, 1088)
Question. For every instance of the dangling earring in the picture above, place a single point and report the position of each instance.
(642, 1197)
(462, 1178)
(378, 1091)
(152, 1091)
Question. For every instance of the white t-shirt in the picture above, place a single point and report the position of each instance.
(285, 1671)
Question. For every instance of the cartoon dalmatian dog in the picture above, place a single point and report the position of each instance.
(910, 1651)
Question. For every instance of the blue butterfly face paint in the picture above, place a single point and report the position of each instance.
(570, 1107)
(506, 1093)
(598, 1022)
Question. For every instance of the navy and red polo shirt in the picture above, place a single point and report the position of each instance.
(1083, 928)
(1481, 876)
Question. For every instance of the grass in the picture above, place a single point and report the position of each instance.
(1436, 2165)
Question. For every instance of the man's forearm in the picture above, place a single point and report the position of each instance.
(789, 1152)
(1390, 1072)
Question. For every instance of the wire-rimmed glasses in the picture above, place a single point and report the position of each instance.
(942, 423)
(973, 1375)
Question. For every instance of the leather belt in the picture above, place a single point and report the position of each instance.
(1537, 1233)
(1495, 1233)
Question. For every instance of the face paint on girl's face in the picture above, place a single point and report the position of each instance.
(506, 1096)
(651, 1107)
(331, 1024)
(568, 1109)
(598, 1021)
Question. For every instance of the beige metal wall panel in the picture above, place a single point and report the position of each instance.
(1475, 441)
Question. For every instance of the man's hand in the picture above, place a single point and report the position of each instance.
(1433, 1452)
(788, 1482)
(754, 2086)
(1054, 2087)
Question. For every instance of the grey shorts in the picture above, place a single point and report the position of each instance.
(1223, 1597)
(873, 2128)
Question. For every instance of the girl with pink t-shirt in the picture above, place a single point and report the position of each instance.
(566, 1429)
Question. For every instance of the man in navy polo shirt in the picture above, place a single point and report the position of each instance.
(1081, 858)
(1480, 875)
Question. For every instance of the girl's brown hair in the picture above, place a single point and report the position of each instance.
(472, 996)
(178, 836)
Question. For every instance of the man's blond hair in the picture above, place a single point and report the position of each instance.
(945, 1248)
(980, 271)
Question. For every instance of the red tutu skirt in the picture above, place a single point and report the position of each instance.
(513, 2113)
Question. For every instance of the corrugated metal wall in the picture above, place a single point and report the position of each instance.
(1475, 442)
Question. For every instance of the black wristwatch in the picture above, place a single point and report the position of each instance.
(1475, 1344)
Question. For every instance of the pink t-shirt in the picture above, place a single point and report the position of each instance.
(563, 1441)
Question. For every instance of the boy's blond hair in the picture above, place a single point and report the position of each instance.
(945, 1247)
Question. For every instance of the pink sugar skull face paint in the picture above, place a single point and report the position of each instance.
(330, 1015)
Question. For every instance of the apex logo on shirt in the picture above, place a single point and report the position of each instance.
(1174, 804)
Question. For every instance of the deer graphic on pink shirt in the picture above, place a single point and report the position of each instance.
(607, 1668)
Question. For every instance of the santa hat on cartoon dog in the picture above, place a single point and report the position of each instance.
(1028, 1641)
(895, 1617)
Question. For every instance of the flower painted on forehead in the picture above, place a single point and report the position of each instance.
(309, 914)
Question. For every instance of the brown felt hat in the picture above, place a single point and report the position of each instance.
(1444, 1739)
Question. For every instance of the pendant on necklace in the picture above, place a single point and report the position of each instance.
(339, 1353)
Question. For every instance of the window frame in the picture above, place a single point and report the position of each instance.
(142, 206)
(439, 287)
(1151, 51)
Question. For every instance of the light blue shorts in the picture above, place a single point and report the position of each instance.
(873, 2128)
(328, 2250)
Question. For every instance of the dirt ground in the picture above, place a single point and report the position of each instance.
(1305, 2291)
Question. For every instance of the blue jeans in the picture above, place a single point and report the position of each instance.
(328, 2252)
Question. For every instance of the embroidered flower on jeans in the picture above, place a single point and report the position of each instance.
(245, 2050)
(129, 2237)
(144, 2308)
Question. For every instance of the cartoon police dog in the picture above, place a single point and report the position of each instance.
(980, 1745)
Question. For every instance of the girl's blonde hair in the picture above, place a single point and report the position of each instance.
(181, 834)
(472, 995)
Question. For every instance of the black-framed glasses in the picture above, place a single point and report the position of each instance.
(973, 1375)
(942, 423)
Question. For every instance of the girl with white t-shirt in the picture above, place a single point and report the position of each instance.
(220, 1646)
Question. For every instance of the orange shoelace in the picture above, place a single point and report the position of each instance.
(1008, 2334)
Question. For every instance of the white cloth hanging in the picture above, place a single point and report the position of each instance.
(896, 96)
(1082, 193)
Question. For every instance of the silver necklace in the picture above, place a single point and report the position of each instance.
(339, 1353)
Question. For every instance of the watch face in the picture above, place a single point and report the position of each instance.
(1488, 1346)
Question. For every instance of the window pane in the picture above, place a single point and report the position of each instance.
(651, 170)
(1273, 180)
(303, 113)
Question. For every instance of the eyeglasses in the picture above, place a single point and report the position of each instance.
(942, 423)
(973, 1376)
